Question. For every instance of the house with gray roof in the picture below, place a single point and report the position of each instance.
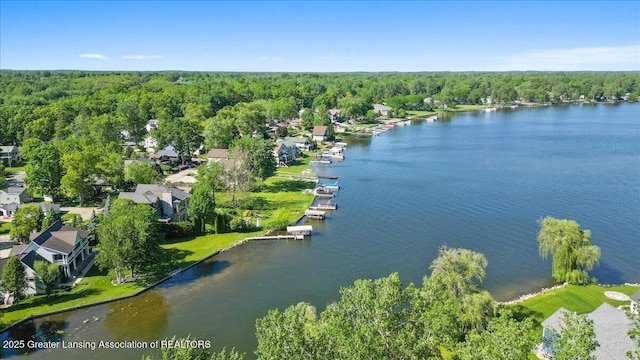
(60, 244)
(11, 198)
(169, 202)
(610, 325)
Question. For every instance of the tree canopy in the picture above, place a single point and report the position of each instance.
(571, 249)
(129, 238)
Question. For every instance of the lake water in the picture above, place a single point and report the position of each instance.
(477, 180)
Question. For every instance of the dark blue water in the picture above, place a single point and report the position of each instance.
(479, 181)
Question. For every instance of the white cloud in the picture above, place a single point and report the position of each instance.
(94, 56)
(141, 57)
(590, 58)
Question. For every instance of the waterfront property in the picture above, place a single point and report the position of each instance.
(59, 244)
(611, 327)
(320, 133)
(169, 202)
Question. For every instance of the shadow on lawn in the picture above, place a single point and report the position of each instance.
(169, 260)
(55, 299)
(288, 186)
(520, 313)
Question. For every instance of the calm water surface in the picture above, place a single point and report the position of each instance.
(479, 181)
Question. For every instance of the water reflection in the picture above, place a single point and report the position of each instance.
(143, 317)
(29, 333)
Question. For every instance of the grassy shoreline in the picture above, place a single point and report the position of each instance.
(285, 203)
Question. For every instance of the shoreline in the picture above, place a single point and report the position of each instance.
(169, 276)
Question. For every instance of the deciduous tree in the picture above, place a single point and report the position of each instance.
(577, 338)
(202, 206)
(44, 167)
(14, 278)
(571, 249)
(49, 274)
(129, 238)
(28, 218)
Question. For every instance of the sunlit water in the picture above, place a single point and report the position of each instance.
(478, 180)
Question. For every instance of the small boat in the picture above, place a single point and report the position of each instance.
(323, 192)
(331, 177)
(327, 206)
(490, 109)
(321, 161)
(330, 185)
(341, 144)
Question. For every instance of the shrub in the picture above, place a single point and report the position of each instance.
(178, 229)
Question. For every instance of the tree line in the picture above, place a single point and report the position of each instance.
(55, 105)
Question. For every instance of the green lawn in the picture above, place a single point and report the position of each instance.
(419, 113)
(5, 227)
(282, 200)
(298, 166)
(581, 299)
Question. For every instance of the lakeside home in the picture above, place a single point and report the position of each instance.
(611, 327)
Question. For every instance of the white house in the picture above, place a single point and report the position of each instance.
(320, 133)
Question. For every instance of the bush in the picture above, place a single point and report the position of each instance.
(178, 229)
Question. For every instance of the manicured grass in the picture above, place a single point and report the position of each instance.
(202, 246)
(95, 287)
(283, 201)
(298, 166)
(419, 113)
(5, 227)
(581, 299)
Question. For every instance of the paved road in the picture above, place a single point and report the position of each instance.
(85, 212)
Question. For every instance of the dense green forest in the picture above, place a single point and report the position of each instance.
(57, 104)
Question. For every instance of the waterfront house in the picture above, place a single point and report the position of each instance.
(320, 133)
(8, 154)
(334, 115)
(169, 202)
(284, 152)
(635, 304)
(381, 109)
(610, 325)
(302, 143)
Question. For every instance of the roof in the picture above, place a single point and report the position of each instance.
(299, 140)
(218, 153)
(157, 190)
(7, 148)
(148, 198)
(554, 321)
(168, 151)
(319, 130)
(636, 297)
(30, 258)
(14, 189)
(59, 237)
(611, 327)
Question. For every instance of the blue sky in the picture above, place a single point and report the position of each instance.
(320, 36)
